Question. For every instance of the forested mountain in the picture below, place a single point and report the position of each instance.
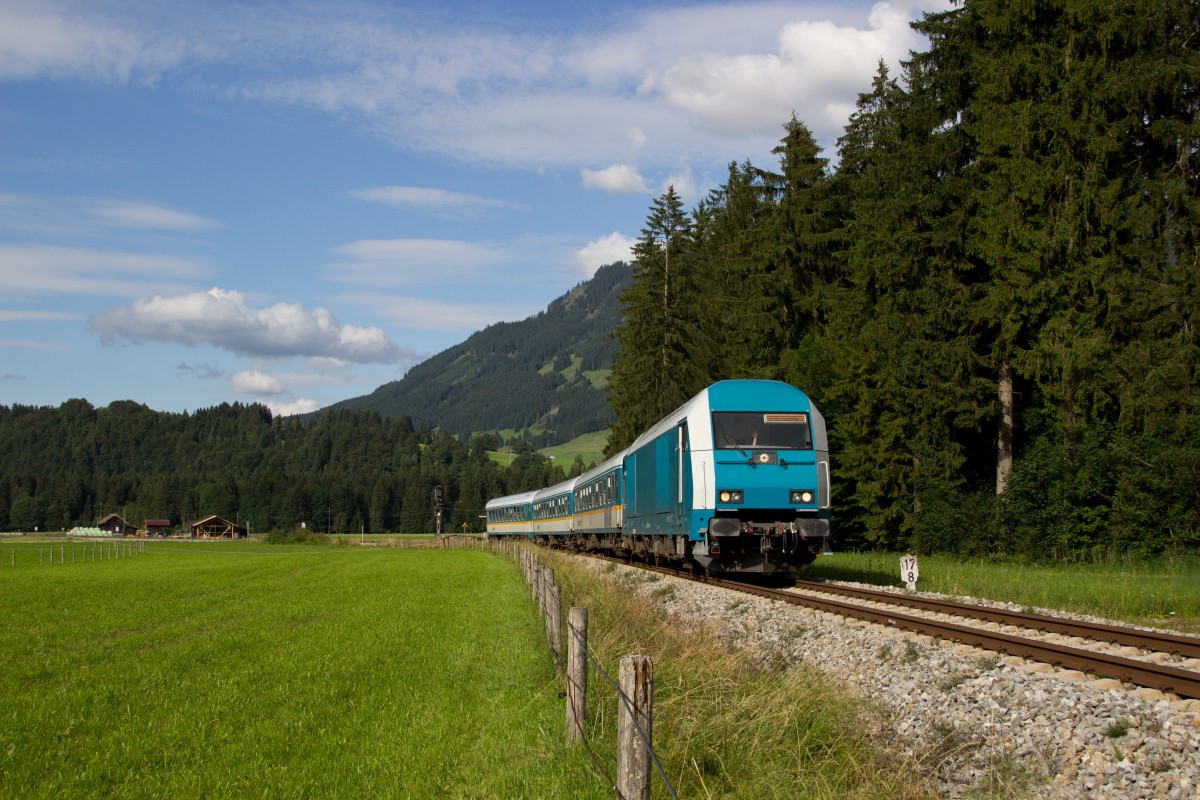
(544, 376)
(994, 296)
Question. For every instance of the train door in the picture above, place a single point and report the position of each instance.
(682, 478)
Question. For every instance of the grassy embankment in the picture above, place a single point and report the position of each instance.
(1161, 591)
(724, 726)
(238, 670)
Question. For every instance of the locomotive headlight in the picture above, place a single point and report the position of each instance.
(730, 495)
(801, 496)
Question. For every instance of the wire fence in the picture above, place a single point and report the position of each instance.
(58, 553)
(634, 687)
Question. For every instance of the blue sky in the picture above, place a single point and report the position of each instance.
(293, 203)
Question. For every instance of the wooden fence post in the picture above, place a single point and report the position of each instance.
(635, 706)
(577, 623)
(539, 581)
(555, 619)
(547, 611)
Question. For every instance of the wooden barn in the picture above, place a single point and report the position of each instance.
(215, 527)
(116, 525)
(158, 527)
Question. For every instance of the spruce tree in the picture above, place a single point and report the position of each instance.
(741, 314)
(803, 236)
(656, 368)
(907, 398)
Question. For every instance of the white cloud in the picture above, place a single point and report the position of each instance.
(301, 406)
(37, 40)
(595, 254)
(125, 214)
(223, 319)
(252, 381)
(672, 85)
(425, 314)
(8, 315)
(37, 268)
(616, 178)
(439, 200)
(205, 371)
(327, 364)
(63, 217)
(685, 186)
(400, 262)
(815, 67)
(29, 344)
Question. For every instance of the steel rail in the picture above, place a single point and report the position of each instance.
(1182, 682)
(1176, 644)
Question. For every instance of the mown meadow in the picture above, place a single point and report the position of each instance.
(239, 669)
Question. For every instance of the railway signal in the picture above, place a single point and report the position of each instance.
(437, 505)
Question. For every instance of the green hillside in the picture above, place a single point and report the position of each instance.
(543, 377)
(589, 448)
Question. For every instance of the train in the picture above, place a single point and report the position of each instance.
(736, 480)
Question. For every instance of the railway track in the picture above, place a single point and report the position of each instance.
(1155, 641)
(927, 618)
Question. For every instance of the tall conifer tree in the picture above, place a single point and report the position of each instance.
(907, 396)
(656, 369)
(741, 313)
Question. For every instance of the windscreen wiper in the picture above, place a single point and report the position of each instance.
(729, 439)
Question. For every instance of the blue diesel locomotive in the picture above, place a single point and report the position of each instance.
(735, 480)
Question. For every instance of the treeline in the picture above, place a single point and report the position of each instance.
(346, 472)
(992, 296)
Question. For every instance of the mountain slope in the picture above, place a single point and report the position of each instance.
(544, 375)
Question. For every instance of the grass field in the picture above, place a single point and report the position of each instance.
(243, 670)
(589, 447)
(240, 669)
(1163, 591)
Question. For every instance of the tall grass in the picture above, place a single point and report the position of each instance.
(1160, 591)
(724, 727)
(242, 670)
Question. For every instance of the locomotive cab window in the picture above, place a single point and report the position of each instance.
(743, 430)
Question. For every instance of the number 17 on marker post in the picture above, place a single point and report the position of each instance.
(909, 572)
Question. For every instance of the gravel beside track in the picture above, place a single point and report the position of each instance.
(984, 724)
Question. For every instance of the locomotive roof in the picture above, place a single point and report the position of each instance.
(734, 395)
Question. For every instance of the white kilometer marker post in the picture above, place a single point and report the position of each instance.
(908, 572)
